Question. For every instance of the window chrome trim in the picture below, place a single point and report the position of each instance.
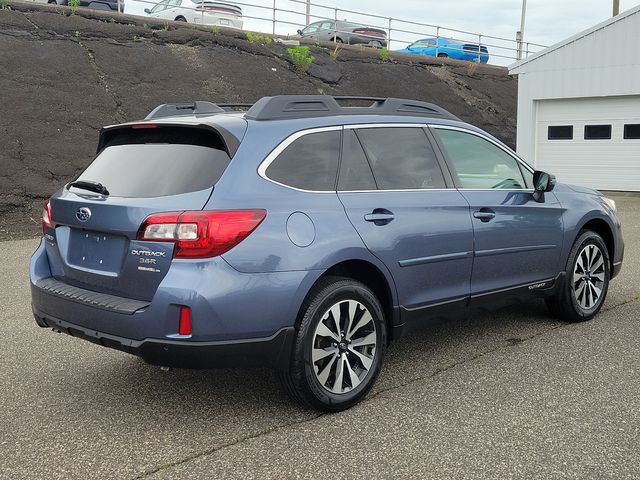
(262, 168)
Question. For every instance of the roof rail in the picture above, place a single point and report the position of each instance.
(303, 106)
(188, 108)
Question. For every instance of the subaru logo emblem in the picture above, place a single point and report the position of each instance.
(83, 214)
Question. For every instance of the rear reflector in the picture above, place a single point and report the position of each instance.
(201, 233)
(46, 216)
(184, 324)
(139, 126)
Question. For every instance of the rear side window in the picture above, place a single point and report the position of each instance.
(155, 170)
(478, 163)
(401, 158)
(309, 163)
(355, 172)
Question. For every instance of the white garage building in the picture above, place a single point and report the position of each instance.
(579, 106)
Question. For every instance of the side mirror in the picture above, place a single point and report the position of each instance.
(299, 32)
(542, 182)
(146, 10)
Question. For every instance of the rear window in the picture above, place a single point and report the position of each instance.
(156, 169)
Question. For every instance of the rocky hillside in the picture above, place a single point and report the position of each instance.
(64, 76)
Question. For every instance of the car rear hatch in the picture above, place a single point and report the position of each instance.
(140, 169)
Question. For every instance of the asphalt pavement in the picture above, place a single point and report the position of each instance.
(508, 394)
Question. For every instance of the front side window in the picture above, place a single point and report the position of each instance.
(326, 26)
(309, 163)
(160, 7)
(479, 163)
(310, 29)
(401, 158)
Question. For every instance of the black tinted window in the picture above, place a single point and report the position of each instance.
(597, 132)
(309, 163)
(355, 172)
(154, 170)
(401, 158)
(560, 132)
(480, 164)
(632, 131)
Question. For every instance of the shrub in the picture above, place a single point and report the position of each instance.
(301, 58)
(384, 54)
(5, 5)
(215, 29)
(73, 5)
(257, 38)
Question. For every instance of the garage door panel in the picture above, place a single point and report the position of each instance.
(604, 164)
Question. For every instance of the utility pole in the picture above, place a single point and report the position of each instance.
(616, 7)
(520, 34)
(308, 12)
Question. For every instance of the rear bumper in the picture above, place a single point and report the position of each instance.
(273, 352)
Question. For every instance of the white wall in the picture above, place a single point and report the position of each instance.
(604, 62)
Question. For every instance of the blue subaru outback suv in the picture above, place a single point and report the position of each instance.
(304, 235)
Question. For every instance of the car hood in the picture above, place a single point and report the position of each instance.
(578, 189)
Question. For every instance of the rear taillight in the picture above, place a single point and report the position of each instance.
(46, 216)
(201, 234)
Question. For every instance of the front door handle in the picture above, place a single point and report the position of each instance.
(484, 214)
(380, 216)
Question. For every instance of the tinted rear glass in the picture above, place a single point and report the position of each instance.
(309, 163)
(156, 170)
(401, 158)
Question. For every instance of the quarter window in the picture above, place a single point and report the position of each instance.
(355, 172)
(401, 158)
(560, 132)
(597, 132)
(479, 163)
(309, 163)
(632, 131)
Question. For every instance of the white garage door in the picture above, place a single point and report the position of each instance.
(606, 164)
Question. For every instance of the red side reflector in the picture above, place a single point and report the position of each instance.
(144, 125)
(184, 325)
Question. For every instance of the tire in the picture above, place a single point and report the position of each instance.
(319, 384)
(587, 273)
(181, 19)
(337, 40)
(375, 44)
(443, 55)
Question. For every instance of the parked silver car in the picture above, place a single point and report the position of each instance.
(345, 32)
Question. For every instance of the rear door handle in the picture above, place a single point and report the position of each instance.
(484, 214)
(380, 216)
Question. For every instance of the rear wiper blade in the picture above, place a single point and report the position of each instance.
(89, 185)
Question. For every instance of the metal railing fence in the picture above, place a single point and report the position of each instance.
(285, 17)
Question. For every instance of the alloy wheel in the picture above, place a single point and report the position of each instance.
(589, 277)
(344, 346)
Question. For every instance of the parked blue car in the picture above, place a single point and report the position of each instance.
(305, 235)
(443, 48)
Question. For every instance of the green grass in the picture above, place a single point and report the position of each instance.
(384, 54)
(5, 5)
(215, 30)
(301, 58)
